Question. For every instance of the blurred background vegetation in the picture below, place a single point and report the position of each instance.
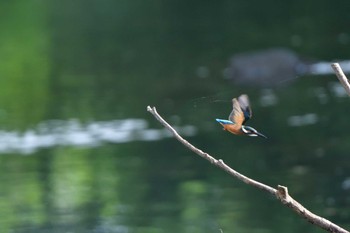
(79, 152)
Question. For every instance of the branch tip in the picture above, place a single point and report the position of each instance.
(341, 76)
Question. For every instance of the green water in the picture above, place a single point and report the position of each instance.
(80, 153)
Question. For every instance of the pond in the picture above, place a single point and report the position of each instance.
(80, 152)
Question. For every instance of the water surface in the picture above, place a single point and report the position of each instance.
(80, 153)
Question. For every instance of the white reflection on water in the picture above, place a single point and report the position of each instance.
(338, 89)
(307, 119)
(346, 184)
(72, 132)
(268, 98)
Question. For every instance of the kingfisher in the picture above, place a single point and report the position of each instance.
(240, 114)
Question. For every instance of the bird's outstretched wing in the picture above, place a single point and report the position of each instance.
(245, 106)
(241, 111)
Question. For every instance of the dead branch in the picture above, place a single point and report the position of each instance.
(281, 193)
(341, 76)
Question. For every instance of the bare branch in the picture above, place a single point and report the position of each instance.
(281, 193)
(341, 76)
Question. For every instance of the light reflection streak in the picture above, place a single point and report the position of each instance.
(307, 119)
(74, 133)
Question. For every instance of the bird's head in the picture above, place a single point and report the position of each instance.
(250, 131)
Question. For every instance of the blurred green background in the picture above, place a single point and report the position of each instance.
(80, 153)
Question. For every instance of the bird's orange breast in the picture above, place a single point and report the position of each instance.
(233, 128)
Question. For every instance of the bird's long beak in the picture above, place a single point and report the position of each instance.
(261, 135)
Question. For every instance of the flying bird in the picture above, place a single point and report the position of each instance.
(240, 114)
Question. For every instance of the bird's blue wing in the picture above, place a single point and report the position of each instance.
(224, 122)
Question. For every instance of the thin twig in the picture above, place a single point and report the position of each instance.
(341, 76)
(281, 193)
